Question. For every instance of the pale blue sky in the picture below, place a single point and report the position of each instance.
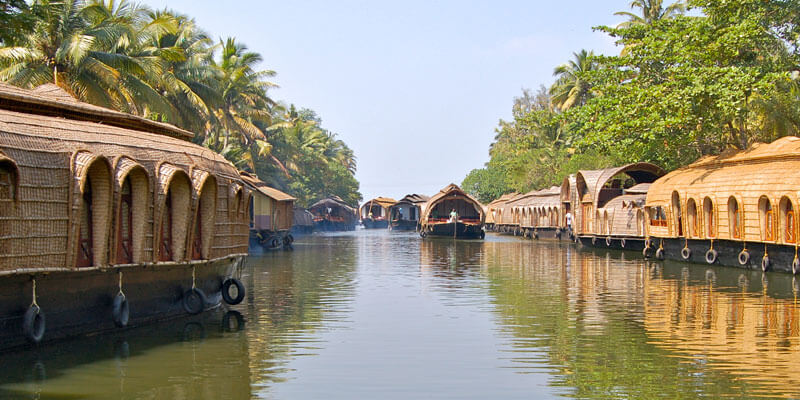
(415, 88)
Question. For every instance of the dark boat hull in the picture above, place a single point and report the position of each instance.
(267, 240)
(333, 226)
(375, 224)
(780, 256)
(80, 302)
(631, 243)
(404, 225)
(457, 230)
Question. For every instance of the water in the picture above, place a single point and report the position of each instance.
(374, 314)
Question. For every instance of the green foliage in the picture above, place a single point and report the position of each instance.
(683, 86)
(160, 65)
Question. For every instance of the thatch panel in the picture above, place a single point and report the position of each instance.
(452, 197)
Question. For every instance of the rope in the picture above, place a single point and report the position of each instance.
(712, 244)
(765, 250)
(685, 243)
(34, 294)
(120, 285)
(193, 278)
(661, 244)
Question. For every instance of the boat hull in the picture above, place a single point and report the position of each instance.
(780, 256)
(631, 243)
(333, 226)
(375, 224)
(268, 240)
(458, 230)
(404, 225)
(80, 302)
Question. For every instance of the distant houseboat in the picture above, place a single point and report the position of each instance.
(735, 209)
(271, 215)
(108, 219)
(539, 214)
(333, 214)
(303, 221)
(405, 214)
(453, 213)
(494, 211)
(375, 213)
(609, 212)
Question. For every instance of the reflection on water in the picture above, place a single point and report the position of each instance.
(370, 314)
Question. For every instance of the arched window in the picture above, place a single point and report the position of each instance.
(132, 209)
(734, 218)
(204, 219)
(93, 219)
(693, 221)
(767, 217)
(175, 213)
(708, 218)
(677, 217)
(788, 222)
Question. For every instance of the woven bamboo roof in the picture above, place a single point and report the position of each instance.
(384, 202)
(416, 199)
(594, 180)
(452, 191)
(51, 100)
(333, 201)
(550, 197)
(765, 169)
(262, 187)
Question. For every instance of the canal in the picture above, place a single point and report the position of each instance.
(377, 314)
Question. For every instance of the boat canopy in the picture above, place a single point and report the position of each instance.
(450, 198)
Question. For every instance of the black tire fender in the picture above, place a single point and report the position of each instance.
(594, 240)
(226, 291)
(194, 301)
(686, 253)
(795, 265)
(608, 241)
(765, 263)
(647, 252)
(483, 234)
(274, 243)
(33, 324)
(622, 242)
(711, 256)
(744, 257)
(232, 315)
(120, 310)
(660, 253)
(423, 234)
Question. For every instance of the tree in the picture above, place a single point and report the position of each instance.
(571, 88)
(651, 11)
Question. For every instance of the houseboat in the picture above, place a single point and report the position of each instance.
(109, 220)
(539, 214)
(271, 215)
(375, 213)
(505, 219)
(610, 213)
(303, 221)
(734, 209)
(404, 215)
(493, 211)
(333, 214)
(453, 213)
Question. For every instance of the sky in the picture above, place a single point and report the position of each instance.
(415, 88)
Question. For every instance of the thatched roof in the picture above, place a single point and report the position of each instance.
(452, 191)
(261, 187)
(51, 100)
(765, 169)
(384, 202)
(416, 199)
(593, 181)
(549, 197)
(333, 201)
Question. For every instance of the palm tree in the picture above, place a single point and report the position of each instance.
(571, 88)
(81, 47)
(652, 11)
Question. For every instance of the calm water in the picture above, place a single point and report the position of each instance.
(373, 314)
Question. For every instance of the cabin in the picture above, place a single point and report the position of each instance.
(405, 214)
(333, 214)
(271, 215)
(735, 209)
(114, 204)
(453, 213)
(375, 213)
(596, 212)
(506, 221)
